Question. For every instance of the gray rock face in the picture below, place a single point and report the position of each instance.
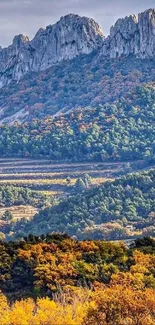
(74, 35)
(71, 36)
(132, 35)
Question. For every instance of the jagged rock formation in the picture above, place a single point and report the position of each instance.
(132, 36)
(74, 35)
(71, 36)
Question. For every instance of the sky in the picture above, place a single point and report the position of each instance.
(27, 16)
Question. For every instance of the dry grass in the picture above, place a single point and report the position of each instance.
(51, 193)
(52, 174)
(19, 212)
(49, 178)
(59, 181)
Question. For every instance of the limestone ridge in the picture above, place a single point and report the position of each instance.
(71, 36)
(74, 35)
(132, 36)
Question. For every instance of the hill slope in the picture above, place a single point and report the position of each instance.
(71, 64)
(116, 210)
(86, 81)
(122, 130)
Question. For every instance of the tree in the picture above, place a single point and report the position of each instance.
(7, 216)
(80, 185)
(87, 180)
(121, 305)
(4, 310)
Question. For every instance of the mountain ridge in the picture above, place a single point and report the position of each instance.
(71, 65)
(72, 36)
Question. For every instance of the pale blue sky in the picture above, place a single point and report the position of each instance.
(27, 16)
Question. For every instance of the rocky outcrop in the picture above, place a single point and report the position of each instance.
(146, 25)
(132, 36)
(74, 35)
(71, 36)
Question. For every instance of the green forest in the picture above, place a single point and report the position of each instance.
(12, 195)
(123, 130)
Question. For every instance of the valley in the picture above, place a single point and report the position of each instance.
(53, 180)
(58, 179)
(55, 184)
(45, 175)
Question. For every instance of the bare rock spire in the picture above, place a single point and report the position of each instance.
(132, 36)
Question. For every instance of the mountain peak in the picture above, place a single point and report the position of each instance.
(71, 36)
(150, 11)
(20, 39)
(70, 16)
(132, 35)
(74, 35)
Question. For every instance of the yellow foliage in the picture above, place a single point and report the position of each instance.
(4, 310)
(22, 311)
(120, 305)
(128, 299)
(46, 311)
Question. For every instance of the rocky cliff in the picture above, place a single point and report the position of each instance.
(132, 36)
(71, 36)
(74, 35)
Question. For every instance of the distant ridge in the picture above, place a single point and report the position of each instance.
(73, 35)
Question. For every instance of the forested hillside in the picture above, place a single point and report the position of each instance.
(18, 203)
(85, 81)
(11, 195)
(116, 210)
(123, 130)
